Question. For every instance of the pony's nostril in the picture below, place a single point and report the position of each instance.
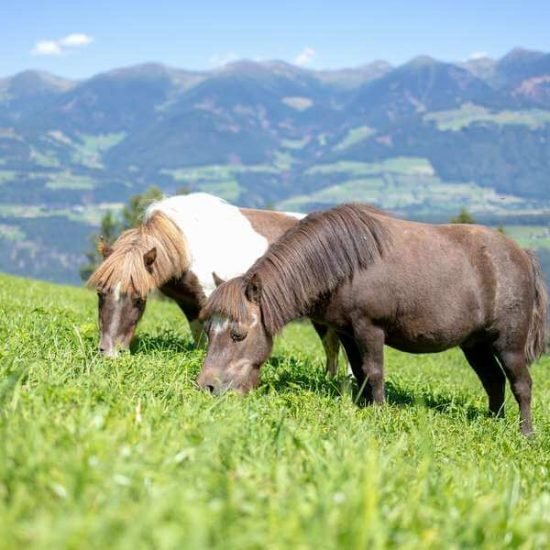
(102, 350)
(210, 388)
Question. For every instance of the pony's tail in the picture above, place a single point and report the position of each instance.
(535, 345)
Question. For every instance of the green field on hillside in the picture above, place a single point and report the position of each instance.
(468, 113)
(98, 453)
(408, 186)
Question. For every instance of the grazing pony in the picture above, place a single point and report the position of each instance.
(378, 280)
(184, 247)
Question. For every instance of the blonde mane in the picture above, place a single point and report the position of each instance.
(125, 265)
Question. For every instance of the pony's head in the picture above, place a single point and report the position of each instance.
(139, 261)
(238, 343)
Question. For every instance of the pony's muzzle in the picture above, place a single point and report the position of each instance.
(209, 383)
(108, 351)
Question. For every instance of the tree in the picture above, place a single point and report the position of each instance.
(109, 231)
(183, 190)
(132, 213)
(463, 216)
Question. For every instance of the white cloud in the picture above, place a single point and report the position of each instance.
(76, 40)
(46, 47)
(62, 45)
(477, 55)
(305, 57)
(219, 59)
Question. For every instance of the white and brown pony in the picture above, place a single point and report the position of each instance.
(378, 280)
(186, 245)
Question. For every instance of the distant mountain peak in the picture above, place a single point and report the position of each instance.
(149, 69)
(380, 64)
(242, 65)
(31, 82)
(422, 60)
(520, 54)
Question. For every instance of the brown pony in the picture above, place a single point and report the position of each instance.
(183, 245)
(379, 280)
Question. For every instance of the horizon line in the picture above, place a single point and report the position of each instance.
(264, 62)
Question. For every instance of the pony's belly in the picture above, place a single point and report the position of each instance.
(430, 341)
(421, 345)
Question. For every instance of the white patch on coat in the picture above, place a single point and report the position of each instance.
(219, 237)
(297, 215)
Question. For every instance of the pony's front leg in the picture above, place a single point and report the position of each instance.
(370, 342)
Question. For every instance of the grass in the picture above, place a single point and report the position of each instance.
(416, 194)
(89, 149)
(298, 103)
(91, 214)
(68, 180)
(46, 158)
(128, 454)
(7, 176)
(407, 186)
(11, 232)
(295, 143)
(457, 119)
(216, 172)
(220, 180)
(398, 165)
(228, 190)
(530, 236)
(354, 136)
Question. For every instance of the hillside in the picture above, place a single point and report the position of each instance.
(421, 139)
(97, 453)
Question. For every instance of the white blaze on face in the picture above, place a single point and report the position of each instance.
(220, 238)
(219, 324)
(116, 291)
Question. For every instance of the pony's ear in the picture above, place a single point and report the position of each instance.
(149, 257)
(103, 248)
(217, 279)
(253, 290)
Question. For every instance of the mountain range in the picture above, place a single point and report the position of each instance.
(421, 139)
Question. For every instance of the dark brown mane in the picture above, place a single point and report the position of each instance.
(311, 259)
(228, 300)
(125, 265)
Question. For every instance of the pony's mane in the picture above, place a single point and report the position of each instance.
(228, 300)
(125, 264)
(309, 261)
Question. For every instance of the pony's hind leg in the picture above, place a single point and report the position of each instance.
(515, 367)
(485, 365)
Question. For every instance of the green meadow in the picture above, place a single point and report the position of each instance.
(96, 453)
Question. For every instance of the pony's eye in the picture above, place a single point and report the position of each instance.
(238, 336)
(138, 302)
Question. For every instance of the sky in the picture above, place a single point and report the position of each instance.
(79, 38)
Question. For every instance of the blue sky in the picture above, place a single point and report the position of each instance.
(78, 38)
